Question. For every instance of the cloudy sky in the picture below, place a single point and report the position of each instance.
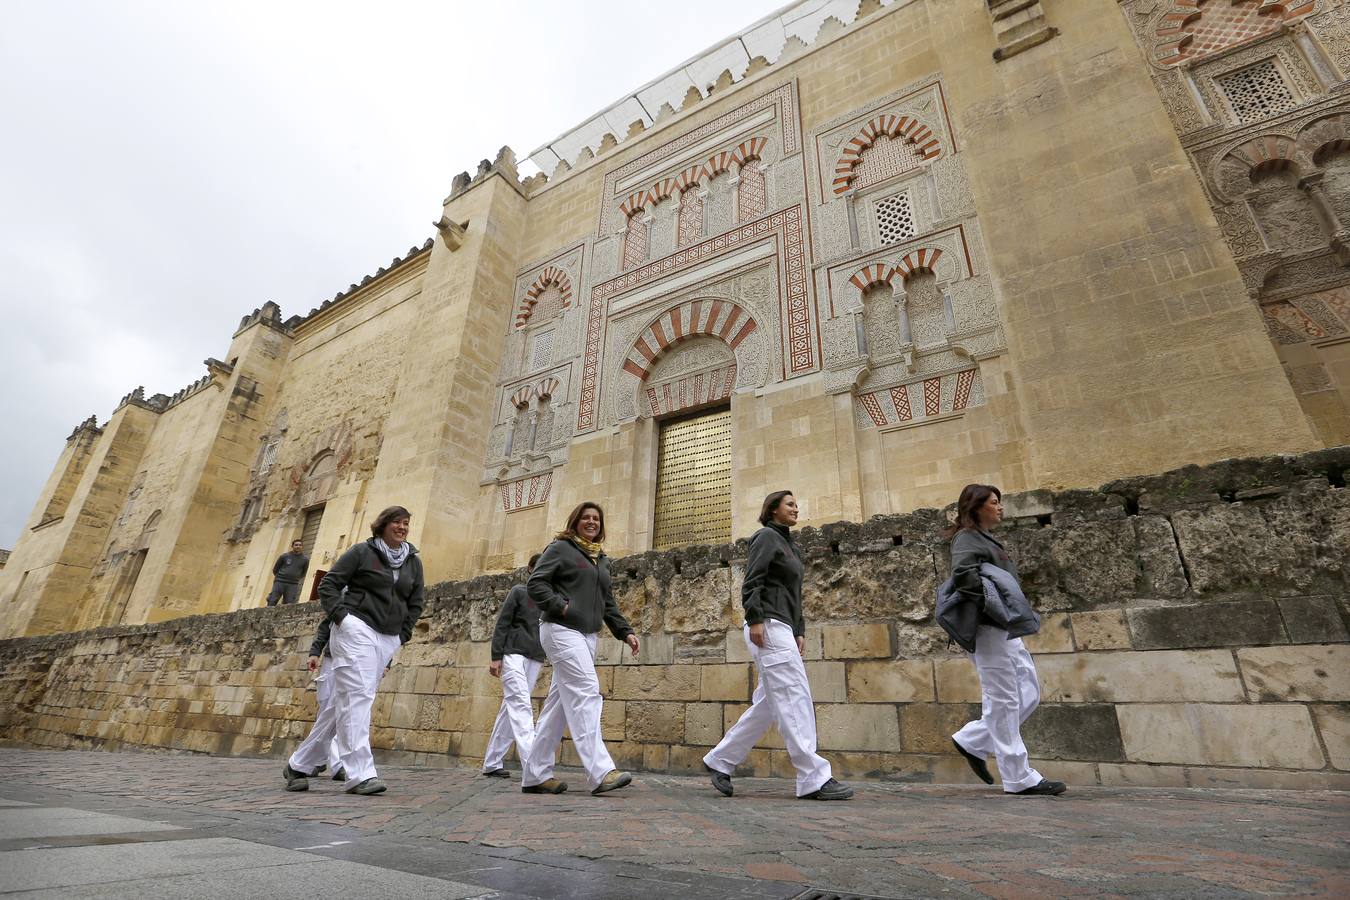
(165, 167)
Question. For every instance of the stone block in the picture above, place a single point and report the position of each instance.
(845, 726)
(608, 651)
(656, 758)
(687, 760)
(1236, 623)
(424, 682)
(725, 682)
(614, 720)
(1074, 731)
(1306, 672)
(657, 683)
(826, 679)
(1141, 677)
(928, 727)
(1313, 620)
(1333, 723)
(703, 723)
(957, 681)
(867, 641)
(736, 649)
(813, 643)
(891, 681)
(655, 722)
(1101, 630)
(653, 650)
(403, 710)
(1141, 775)
(1267, 780)
(1055, 636)
(1262, 735)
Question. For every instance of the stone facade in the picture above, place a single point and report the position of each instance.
(1194, 633)
(892, 238)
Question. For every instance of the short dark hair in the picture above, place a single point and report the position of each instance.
(771, 506)
(387, 515)
(973, 496)
(575, 516)
(299, 541)
(533, 559)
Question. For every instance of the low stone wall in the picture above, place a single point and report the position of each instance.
(1194, 634)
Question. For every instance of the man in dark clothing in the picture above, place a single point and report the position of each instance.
(288, 574)
(516, 659)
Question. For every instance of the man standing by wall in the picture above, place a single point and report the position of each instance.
(288, 572)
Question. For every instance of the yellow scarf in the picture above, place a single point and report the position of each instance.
(592, 550)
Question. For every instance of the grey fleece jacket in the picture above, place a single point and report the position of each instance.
(773, 579)
(566, 579)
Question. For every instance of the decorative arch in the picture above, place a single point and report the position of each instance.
(545, 388)
(1235, 170)
(552, 276)
(924, 259)
(872, 275)
(521, 398)
(1195, 28)
(749, 150)
(902, 127)
(722, 319)
(1323, 138)
(719, 163)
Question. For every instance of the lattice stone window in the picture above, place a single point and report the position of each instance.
(541, 348)
(1257, 92)
(886, 157)
(895, 219)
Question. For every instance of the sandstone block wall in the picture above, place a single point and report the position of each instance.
(1195, 633)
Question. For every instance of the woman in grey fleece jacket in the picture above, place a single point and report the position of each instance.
(1009, 688)
(571, 586)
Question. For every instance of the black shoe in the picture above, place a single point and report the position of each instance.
(552, 786)
(720, 780)
(1043, 789)
(497, 773)
(295, 781)
(339, 774)
(830, 790)
(977, 765)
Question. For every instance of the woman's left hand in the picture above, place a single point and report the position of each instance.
(801, 645)
(632, 642)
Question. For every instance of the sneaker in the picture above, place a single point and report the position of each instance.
(368, 787)
(830, 790)
(613, 781)
(295, 781)
(339, 774)
(497, 773)
(720, 780)
(1043, 788)
(977, 765)
(552, 786)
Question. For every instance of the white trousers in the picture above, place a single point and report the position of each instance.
(312, 753)
(574, 701)
(782, 698)
(359, 656)
(515, 720)
(1009, 692)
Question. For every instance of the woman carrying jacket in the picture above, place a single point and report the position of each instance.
(775, 632)
(571, 586)
(373, 596)
(1009, 689)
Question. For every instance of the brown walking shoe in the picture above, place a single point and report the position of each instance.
(613, 781)
(552, 786)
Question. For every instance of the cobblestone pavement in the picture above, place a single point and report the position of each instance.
(674, 836)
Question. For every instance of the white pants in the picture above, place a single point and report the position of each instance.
(359, 656)
(1009, 692)
(573, 700)
(310, 754)
(515, 720)
(782, 698)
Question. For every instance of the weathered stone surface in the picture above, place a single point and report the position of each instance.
(928, 727)
(1235, 623)
(1074, 731)
(1265, 736)
(897, 585)
(891, 681)
(663, 682)
(1055, 636)
(1320, 673)
(826, 679)
(857, 641)
(957, 681)
(654, 722)
(1313, 620)
(1161, 573)
(703, 723)
(1082, 566)
(1333, 723)
(1156, 676)
(725, 682)
(844, 726)
(1102, 630)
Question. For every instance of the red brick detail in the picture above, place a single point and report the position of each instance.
(744, 333)
(662, 190)
(659, 335)
(698, 389)
(871, 275)
(681, 323)
(732, 316)
(900, 397)
(963, 382)
(551, 276)
(932, 396)
(530, 491)
(634, 203)
(713, 312)
(690, 178)
(635, 368)
(647, 352)
(923, 259)
(545, 388)
(910, 129)
(1266, 151)
(521, 398)
(873, 407)
(636, 241)
(1195, 28)
(749, 150)
(719, 163)
(676, 326)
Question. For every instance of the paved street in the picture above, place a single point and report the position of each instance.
(77, 824)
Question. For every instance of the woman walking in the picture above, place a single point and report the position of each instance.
(571, 586)
(373, 596)
(516, 659)
(1009, 690)
(775, 633)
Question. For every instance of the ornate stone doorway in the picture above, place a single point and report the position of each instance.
(693, 480)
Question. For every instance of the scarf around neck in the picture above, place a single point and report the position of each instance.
(590, 548)
(397, 557)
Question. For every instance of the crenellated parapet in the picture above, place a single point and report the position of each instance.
(88, 426)
(504, 165)
(413, 252)
(269, 315)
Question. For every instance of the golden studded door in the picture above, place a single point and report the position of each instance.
(693, 481)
